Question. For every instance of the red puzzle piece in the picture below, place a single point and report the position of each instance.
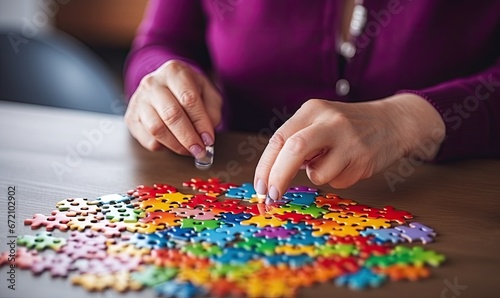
(199, 200)
(143, 192)
(294, 217)
(212, 185)
(58, 220)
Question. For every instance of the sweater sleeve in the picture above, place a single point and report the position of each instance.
(171, 29)
(470, 108)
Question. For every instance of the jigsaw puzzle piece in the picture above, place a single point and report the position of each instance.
(41, 241)
(197, 214)
(233, 255)
(143, 192)
(121, 212)
(384, 235)
(112, 199)
(262, 221)
(244, 191)
(57, 220)
(300, 198)
(200, 225)
(119, 281)
(80, 206)
(211, 185)
(178, 289)
(302, 189)
(153, 275)
(109, 229)
(275, 233)
(59, 265)
(360, 280)
(417, 232)
(199, 201)
(167, 219)
(231, 218)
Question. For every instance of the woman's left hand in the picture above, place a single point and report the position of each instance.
(343, 143)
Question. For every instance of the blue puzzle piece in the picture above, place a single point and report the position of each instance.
(151, 241)
(384, 235)
(233, 255)
(176, 233)
(360, 280)
(245, 191)
(178, 289)
(305, 237)
(301, 226)
(300, 198)
(112, 199)
(214, 237)
(236, 219)
(243, 231)
(292, 261)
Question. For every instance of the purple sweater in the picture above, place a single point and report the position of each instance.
(270, 56)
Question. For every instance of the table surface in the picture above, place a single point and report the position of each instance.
(460, 200)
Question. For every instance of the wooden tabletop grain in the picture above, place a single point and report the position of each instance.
(50, 154)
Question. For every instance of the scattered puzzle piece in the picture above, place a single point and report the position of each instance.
(57, 220)
(41, 241)
(361, 280)
(80, 206)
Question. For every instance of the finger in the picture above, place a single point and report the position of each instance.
(178, 123)
(296, 149)
(187, 89)
(273, 148)
(142, 136)
(137, 130)
(156, 129)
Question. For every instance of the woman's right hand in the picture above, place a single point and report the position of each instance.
(175, 107)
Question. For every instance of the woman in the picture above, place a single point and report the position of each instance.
(369, 82)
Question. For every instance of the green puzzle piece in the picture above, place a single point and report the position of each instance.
(417, 256)
(260, 245)
(200, 225)
(41, 241)
(202, 251)
(121, 212)
(312, 209)
(234, 271)
(154, 275)
(343, 250)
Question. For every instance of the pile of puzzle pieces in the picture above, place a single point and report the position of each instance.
(220, 241)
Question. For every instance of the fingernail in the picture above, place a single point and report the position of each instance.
(196, 151)
(273, 193)
(207, 139)
(260, 188)
(269, 201)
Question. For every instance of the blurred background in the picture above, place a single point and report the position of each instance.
(67, 53)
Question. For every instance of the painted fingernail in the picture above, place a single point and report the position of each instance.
(207, 139)
(196, 151)
(273, 193)
(269, 201)
(260, 188)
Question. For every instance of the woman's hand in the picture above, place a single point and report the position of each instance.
(175, 107)
(342, 143)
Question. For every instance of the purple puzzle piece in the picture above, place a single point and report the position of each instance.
(384, 235)
(275, 232)
(302, 189)
(417, 231)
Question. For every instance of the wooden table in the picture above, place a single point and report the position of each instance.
(460, 200)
